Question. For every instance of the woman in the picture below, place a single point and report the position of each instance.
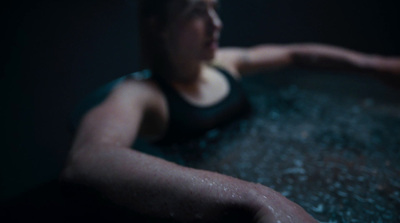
(192, 88)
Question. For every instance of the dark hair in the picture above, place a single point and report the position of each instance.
(156, 10)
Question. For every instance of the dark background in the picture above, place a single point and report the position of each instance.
(55, 52)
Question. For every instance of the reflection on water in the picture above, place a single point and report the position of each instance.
(338, 157)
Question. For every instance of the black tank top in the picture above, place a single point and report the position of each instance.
(187, 121)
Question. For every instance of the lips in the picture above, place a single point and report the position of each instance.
(212, 42)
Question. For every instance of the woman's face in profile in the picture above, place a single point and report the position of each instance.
(193, 29)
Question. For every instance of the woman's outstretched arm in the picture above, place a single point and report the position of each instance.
(102, 160)
(310, 56)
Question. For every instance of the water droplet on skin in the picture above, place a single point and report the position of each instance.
(271, 208)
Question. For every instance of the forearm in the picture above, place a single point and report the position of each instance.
(311, 56)
(318, 56)
(154, 186)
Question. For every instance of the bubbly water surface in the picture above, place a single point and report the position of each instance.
(338, 156)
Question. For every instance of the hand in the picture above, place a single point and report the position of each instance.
(272, 207)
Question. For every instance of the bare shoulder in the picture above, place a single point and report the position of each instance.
(229, 58)
(119, 117)
(143, 95)
(145, 92)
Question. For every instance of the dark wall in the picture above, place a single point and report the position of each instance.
(55, 52)
(370, 26)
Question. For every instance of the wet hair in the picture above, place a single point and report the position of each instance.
(156, 11)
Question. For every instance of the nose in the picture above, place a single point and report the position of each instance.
(214, 20)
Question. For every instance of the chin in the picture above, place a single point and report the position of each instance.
(209, 55)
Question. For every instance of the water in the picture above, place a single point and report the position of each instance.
(338, 157)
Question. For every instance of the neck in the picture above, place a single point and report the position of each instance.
(180, 71)
(186, 73)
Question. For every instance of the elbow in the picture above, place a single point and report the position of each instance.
(73, 168)
(69, 172)
(303, 55)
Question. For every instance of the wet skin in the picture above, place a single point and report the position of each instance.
(101, 156)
